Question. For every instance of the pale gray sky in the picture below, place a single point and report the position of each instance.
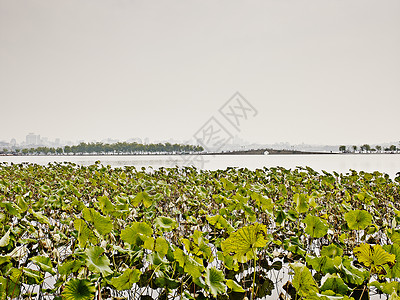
(317, 71)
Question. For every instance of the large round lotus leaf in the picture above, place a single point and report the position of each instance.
(244, 242)
(77, 289)
(373, 257)
(358, 219)
(331, 251)
(316, 228)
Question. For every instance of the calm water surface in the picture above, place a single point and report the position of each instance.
(341, 163)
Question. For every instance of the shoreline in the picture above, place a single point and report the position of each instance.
(250, 152)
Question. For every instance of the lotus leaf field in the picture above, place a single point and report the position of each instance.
(96, 232)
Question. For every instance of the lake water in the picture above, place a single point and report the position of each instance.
(341, 163)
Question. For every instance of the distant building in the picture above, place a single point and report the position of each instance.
(33, 139)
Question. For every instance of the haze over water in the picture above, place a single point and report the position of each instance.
(384, 163)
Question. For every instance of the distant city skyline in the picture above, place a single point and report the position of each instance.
(312, 71)
(33, 140)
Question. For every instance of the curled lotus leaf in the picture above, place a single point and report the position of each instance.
(333, 282)
(301, 202)
(44, 263)
(234, 286)
(387, 287)
(303, 281)
(215, 280)
(137, 231)
(165, 223)
(96, 261)
(126, 280)
(5, 240)
(220, 222)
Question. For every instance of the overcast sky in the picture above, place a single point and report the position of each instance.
(316, 71)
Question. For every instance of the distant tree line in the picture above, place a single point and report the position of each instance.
(368, 149)
(117, 148)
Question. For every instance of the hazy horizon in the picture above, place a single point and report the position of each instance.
(312, 71)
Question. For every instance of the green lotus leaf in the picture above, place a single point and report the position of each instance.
(84, 233)
(387, 287)
(204, 250)
(373, 257)
(394, 237)
(234, 286)
(32, 277)
(393, 271)
(244, 242)
(280, 217)
(301, 202)
(215, 281)
(324, 264)
(138, 231)
(11, 208)
(331, 251)
(10, 287)
(266, 204)
(5, 240)
(126, 280)
(165, 223)
(329, 295)
(228, 261)
(167, 282)
(190, 265)
(303, 281)
(22, 205)
(39, 217)
(44, 263)
(316, 228)
(220, 222)
(351, 274)
(228, 185)
(142, 197)
(148, 242)
(102, 224)
(180, 256)
(106, 205)
(4, 259)
(156, 260)
(78, 289)
(161, 246)
(292, 215)
(358, 219)
(334, 283)
(96, 261)
(68, 267)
